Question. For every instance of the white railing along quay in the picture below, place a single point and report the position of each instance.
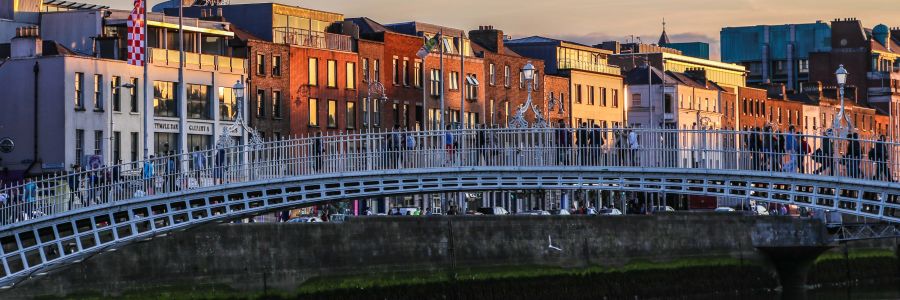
(758, 151)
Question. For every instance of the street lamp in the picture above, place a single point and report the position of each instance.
(519, 121)
(841, 76)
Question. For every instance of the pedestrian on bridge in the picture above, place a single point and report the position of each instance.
(880, 155)
(563, 143)
(633, 145)
(147, 173)
(449, 144)
(825, 156)
(199, 162)
(583, 138)
(852, 157)
(792, 145)
(74, 182)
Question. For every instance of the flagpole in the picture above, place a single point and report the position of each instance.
(443, 115)
(182, 89)
(462, 79)
(146, 63)
(424, 125)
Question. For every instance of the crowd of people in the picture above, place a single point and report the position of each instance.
(763, 150)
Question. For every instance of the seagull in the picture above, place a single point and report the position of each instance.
(549, 239)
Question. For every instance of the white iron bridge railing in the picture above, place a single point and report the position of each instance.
(775, 153)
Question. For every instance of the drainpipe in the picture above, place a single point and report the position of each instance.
(34, 159)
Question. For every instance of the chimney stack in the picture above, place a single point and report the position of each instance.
(489, 38)
(27, 43)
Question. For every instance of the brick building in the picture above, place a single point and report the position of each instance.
(505, 86)
(316, 89)
(596, 88)
(269, 75)
(556, 89)
(752, 108)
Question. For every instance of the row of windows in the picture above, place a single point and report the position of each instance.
(99, 140)
(115, 86)
(331, 73)
(507, 79)
(199, 101)
(261, 65)
(592, 94)
(331, 114)
(276, 104)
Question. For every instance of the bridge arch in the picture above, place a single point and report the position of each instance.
(43, 245)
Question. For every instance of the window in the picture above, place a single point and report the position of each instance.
(332, 73)
(405, 73)
(377, 70)
(351, 115)
(396, 114)
(260, 64)
(276, 65)
(98, 142)
(98, 92)
(227, 104)
(376, 114)
(351, 76)
(116, 94)
(453, 80)
(635, 100)
(492, 74)
(471, 89)
(79, 144)
(198, 101)
(417, 74)
(134, 146)
(117, 147)
(603, 97)
(521, 80)
(276, 104)
(615, 98)
(165, 101)
(260, 103)
(435, 82)
(365, 69)
(590, 95)
(396, 74)
(667, 105)
(332, 113)
(313, 71)
(536, 81)
(134, 95)
(506, 79)
(313, 112)
(578, 93)
(79, 91)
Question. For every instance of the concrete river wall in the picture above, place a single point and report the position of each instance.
(625, 255)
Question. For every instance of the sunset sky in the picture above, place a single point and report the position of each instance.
(594, 21)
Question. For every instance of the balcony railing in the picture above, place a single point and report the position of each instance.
(312, 39)
(588, 66)
(195, 60)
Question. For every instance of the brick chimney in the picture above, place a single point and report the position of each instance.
(696, 74)
(27, 43)
(488, 37)
(775, 90)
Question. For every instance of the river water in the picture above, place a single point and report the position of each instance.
(883, 291)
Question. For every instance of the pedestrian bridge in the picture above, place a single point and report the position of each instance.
(65, 219)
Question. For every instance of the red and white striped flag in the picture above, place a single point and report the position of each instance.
(136, 35)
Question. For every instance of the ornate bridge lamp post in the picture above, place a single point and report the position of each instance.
(377, 88)
(519, 120)
(840, 128)
(225, 141)
(842, 124)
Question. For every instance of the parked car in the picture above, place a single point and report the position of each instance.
(403, 211)
(499, 211)
(662, 209)
(560, 212)
(610, 212)
(305, 220)
(724, 209)
(759, 210)
(535, 213)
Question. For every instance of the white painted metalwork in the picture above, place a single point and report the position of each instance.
(50, 223)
